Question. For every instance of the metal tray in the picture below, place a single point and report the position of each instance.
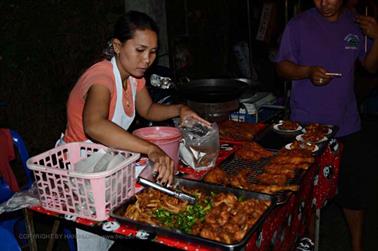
(118, 212)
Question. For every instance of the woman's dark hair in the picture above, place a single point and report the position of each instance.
(126, 26)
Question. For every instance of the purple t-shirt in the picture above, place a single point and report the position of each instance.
(310, 39)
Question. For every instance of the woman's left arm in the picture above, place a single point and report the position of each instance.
(160, 112)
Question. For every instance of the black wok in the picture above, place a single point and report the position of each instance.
(212, 90)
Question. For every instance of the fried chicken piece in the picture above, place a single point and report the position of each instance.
(268, 178)
(302, 145)
(294, 160)
(238, 130)
(270, 189)
(253, 152)
(288, 170)
(315, 127)
(299, 157)
(313, 136)
(217, 176)
(315, 132)
(241, 179)
(228, 199)
(288, 125)
(210, 232)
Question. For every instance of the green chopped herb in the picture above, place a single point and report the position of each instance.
(184, 220)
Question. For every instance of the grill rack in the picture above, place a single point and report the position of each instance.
(233, 165)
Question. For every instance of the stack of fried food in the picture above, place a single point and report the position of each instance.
(315, 132)
(221, 217)
(253, 152)
(232, 130)
(288, 125)
(275, 175)
(230, 218)
(316, 127)
(302, 145)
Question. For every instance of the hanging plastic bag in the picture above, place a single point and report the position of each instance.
(199, 147)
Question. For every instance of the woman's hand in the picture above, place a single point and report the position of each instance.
(187, 113)
(318, 75)
(163, 165)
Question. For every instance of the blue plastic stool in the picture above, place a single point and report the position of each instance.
(7, 240)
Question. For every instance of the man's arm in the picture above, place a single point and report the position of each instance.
(370, 28)
(371, 60)
(291, 71)
(288, 70)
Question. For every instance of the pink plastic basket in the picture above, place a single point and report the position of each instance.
(90, 195)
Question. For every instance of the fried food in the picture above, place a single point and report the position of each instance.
(240, 180)
(298, 157)
(288, 125)
(276, 175)
(217, 176)
(233, 130)
(271, 179)
(315, 132)
(221, 217)
(315, 127)
(303, 145)
(271, 189)
(286, 170)
(253, 152)
(313, 137)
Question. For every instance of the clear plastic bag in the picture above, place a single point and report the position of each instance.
(21, 200)
(199, 147)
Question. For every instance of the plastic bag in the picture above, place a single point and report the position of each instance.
(102, 160)
(199, 147)
(21, 200)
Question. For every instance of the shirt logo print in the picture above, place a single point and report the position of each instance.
(352, 42)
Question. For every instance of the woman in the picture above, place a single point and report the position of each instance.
(102, 104)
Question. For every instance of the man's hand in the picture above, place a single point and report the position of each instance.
(369, 26)
(318, 75)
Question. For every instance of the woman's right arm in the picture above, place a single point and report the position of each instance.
(100, 129)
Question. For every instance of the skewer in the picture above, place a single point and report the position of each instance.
(334, 74)
(366, 14)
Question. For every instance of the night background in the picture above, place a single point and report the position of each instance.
(45, 45)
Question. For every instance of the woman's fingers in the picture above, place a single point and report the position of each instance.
(164, 167)
(186, 113)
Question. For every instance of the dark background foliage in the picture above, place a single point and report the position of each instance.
(45, 45)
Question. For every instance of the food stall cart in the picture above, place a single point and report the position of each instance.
(280, 229)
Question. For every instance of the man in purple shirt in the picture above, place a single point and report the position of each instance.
(315, 45)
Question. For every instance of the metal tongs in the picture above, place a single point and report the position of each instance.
(179, 195)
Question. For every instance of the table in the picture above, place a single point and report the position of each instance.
(280, 230)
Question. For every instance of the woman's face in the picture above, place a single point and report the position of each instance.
(329, 9)
(136, 54)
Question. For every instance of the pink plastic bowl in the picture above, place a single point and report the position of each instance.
(167, 138)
